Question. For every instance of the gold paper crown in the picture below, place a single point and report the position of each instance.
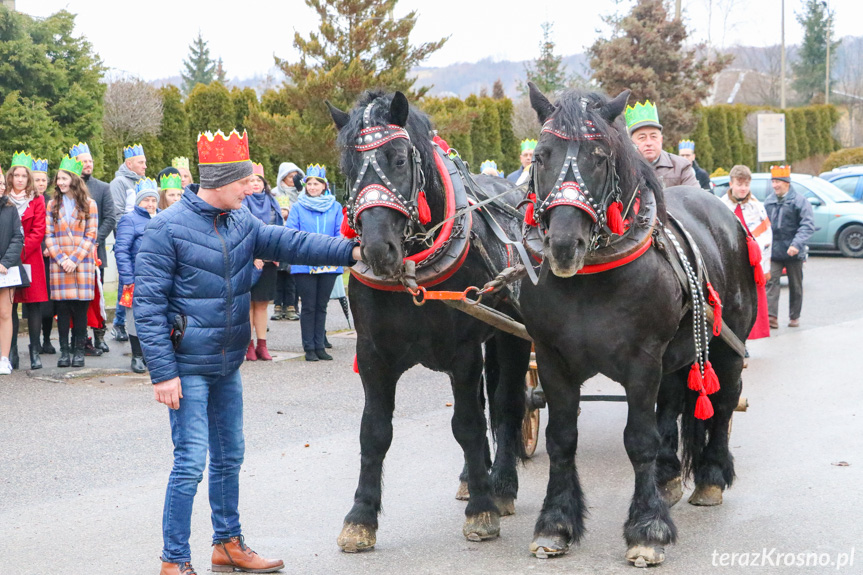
(180, 162)
(780, 172)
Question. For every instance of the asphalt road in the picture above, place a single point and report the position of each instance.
(85, 461)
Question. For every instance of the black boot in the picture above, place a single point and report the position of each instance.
(13, 353)
(35, 362)
(327, 343)
(322, 354)
(78, 352)
(311, 356)
(99, 340)
(47, 348)
(91, 350)
(138, 364)
(65, 360)
(120, 333)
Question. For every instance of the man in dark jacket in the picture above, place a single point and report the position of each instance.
(194, 269)
(686, 150)
(793, 223)
(101, 193)
(520, 175)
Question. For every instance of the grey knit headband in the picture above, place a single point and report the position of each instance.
(218, 175)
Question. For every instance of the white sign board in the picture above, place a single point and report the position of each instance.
(771, 137)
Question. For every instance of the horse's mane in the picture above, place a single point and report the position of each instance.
(631, 167)
(418, 127)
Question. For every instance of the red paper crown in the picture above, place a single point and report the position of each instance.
(780, 171)
(216, 149)
(258, 169)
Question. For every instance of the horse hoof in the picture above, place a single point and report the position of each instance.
(544, 547)
(505, 505)
(706, 495)
(463, 493)
(354, 538)
(671, 491)
(480, 527)
(644, 555)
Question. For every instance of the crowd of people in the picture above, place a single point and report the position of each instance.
(53, 253)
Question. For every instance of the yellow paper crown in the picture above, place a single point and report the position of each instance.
(180, 162)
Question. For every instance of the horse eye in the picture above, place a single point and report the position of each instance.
(400, 163)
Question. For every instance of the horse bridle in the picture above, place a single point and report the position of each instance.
(386, 195)
(574, 192)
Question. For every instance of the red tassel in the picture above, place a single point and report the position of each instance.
(711, 381)
(423, 210)
(345, 228)
(614, 218)
(442, 143)
(529, 218)
(695, 382)
(759, 275)
(356, 364)
(716, 303)
(754, 251)
(703, 407)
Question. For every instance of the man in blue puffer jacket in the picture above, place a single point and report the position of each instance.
(196, 261)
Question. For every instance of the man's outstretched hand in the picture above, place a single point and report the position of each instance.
(169, 392)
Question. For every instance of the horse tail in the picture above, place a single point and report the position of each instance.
(693, 434)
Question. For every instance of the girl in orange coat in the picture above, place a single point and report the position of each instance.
(73, 223)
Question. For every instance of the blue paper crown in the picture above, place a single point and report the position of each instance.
(78, 149)
(686, 145)
(488, 164)
(146, 184)
(40, 165)
(316, 171)
(133, 151)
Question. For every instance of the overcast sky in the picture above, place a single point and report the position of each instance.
(150, 39)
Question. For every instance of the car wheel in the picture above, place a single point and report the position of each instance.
(850, 241)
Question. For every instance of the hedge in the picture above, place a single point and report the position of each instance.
(843, 157)
(721, 141)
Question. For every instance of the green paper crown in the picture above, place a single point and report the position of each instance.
(642, 114)
(170, 182)
(71, 165)
(180, 162)
(22, 159)
(528, 145)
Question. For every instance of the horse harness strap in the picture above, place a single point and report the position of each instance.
(683, 276)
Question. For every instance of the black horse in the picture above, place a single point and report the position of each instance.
(615, 304)
(403, 184)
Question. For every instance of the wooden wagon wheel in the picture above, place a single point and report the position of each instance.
(531, 423)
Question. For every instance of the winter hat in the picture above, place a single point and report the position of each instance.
(222, 160)
(146, 188)
(167, 172)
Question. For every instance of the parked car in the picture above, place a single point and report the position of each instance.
(849, 179)
(838, 218)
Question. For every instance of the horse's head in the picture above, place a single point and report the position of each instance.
(581, 166)
(387, 158)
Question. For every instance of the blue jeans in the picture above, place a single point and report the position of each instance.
(119, 311)
(210, 417)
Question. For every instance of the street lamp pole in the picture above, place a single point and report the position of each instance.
(677, 9)
(782, 64)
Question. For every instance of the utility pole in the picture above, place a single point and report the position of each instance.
(827, 34)
(677, 9)
(782, 64)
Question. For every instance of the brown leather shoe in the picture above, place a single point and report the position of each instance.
(794, 323)
(177, 569)
(234, 555)
(774, 322)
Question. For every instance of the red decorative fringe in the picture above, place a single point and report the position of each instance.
(760, 280)
(529, 218)
(356, 364)
(614, 218)
(711, 381)
(694, 381)
(703, 407)
(442, 143)
(423, 210)
(716, 304)
(754, 251)
(346, 229)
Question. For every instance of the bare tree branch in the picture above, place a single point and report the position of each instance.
(133, 109)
